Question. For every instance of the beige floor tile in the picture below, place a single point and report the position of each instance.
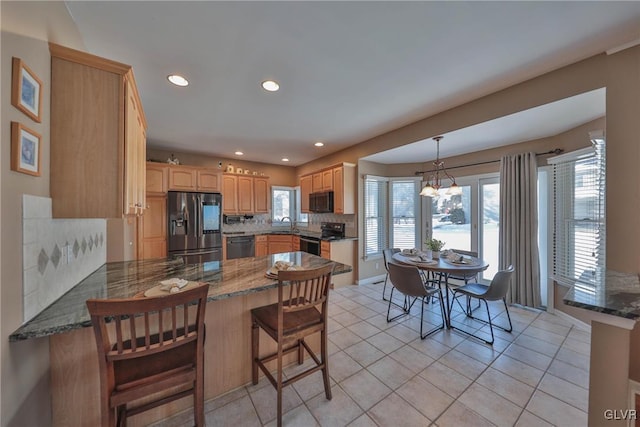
(425, 397)
(481, 352)
(556, 411)
(546, 336)
(411, 358)
(458, 415)
(573, 358)
(364, 353)
(385, 342)
(363, 421)
(578, 346)
(538, 345)
(390, 372)
(265, 402)
(570, 373)
(518, 370)
(530, 357)
(365, 389)
(347, 318)
(363, 329)
(402, 333)
(311, 385)
(344, 338)
(380, 321)
(545, 324)
(341, 366)
(333, 326)
(238, 412)
(430, 347)
(448, 338)
(490, 405)
(210, 405)
(527, 419)
(463, 364)
(506, 386)
(565, 391)
(299, 416)
(363, 312)
(580, 335)
(446, 379)
(337, 412)
(395, 411)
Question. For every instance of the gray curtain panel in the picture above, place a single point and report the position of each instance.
(518, 231)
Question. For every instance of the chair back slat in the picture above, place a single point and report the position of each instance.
(140, 326)
(307, 288)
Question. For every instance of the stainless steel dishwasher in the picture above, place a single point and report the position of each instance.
(240, 247)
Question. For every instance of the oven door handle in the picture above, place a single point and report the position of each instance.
(302, 239)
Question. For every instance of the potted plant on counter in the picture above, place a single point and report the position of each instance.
(434, 246)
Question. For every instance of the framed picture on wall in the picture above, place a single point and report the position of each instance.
(26, 90)
(25, 149)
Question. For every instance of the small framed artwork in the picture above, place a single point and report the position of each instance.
(25, 149)
(26, 90)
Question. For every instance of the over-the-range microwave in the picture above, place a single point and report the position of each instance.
(321, 202)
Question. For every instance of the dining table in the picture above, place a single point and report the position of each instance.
(442, 268)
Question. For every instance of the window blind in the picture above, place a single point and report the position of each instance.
(579, 217)
(404, 202)
(375, 196)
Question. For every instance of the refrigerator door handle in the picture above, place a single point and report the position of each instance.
(198, 214)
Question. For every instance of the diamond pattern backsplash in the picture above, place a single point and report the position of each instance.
(43, 260)
(56, 254)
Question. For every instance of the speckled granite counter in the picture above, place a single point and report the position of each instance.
(125, 279)
(620, 296)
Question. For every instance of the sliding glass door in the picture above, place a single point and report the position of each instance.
(489, 224)
(451, 218)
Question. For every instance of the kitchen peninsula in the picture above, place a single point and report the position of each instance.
(236, 286)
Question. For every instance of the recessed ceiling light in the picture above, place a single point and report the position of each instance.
(239, 153)
(270, 85)
(178, 80)
(285, 159)
(319, 144)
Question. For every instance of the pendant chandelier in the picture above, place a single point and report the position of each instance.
(434, 181)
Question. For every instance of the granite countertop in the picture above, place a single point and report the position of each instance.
(125, 279)
(301, 233)
(620, 296)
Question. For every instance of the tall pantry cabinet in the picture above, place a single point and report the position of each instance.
(98, 145)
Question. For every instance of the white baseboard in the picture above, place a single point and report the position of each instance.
(370, 280)
(575, 322)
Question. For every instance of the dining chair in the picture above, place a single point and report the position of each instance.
(387, 255)
(150, 352)
(466, 278)
(407, 280)
(496, 290)
(301, 311)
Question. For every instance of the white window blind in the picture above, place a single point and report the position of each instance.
(404, 200)
(375, 196)
(579, 223)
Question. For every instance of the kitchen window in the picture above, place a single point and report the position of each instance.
(285, 202)
(375, 215)
(579, 217)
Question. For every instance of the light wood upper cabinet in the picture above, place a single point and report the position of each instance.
(261, 195)
(306, 186)
(317, 182)
(157, 178)
(245, 194)
(154, 228)
(182, 178)
(208, 180)
(327, 180)
(229, 194)
(98, 140)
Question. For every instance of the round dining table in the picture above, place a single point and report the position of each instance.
(469, 266)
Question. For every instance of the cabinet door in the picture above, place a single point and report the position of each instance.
(261, 195)
(154, 227)
(338, 190)
(262, 246)
(182, 178)
(306, 184)
(157, 178)
(317, 182)
(296, 243)
(229, 194)
(279, 247)
(245, 194)
(325, 249)
(134, 150)
(327, 180)
(208, 180)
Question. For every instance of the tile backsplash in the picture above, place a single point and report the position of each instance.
(260, 223)
(57, 253)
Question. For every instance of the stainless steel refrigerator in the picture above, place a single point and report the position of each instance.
(195, 226)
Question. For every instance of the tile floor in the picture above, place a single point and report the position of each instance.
(383, 374)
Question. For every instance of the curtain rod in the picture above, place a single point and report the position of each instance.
(555, 151)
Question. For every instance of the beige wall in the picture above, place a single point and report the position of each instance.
(26, 29)
(279, 175)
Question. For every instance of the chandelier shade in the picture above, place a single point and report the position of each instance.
(435, 179)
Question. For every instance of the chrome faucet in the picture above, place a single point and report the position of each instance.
(292, 224)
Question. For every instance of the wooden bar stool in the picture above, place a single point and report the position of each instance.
(301, 310)
(157, 345)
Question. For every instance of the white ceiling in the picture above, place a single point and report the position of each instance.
(348, 70)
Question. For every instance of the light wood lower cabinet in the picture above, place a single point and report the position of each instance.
(154, 228)
(343, 251)
(280, 243)
(296, 243)
(262, 245)
(325, 249)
